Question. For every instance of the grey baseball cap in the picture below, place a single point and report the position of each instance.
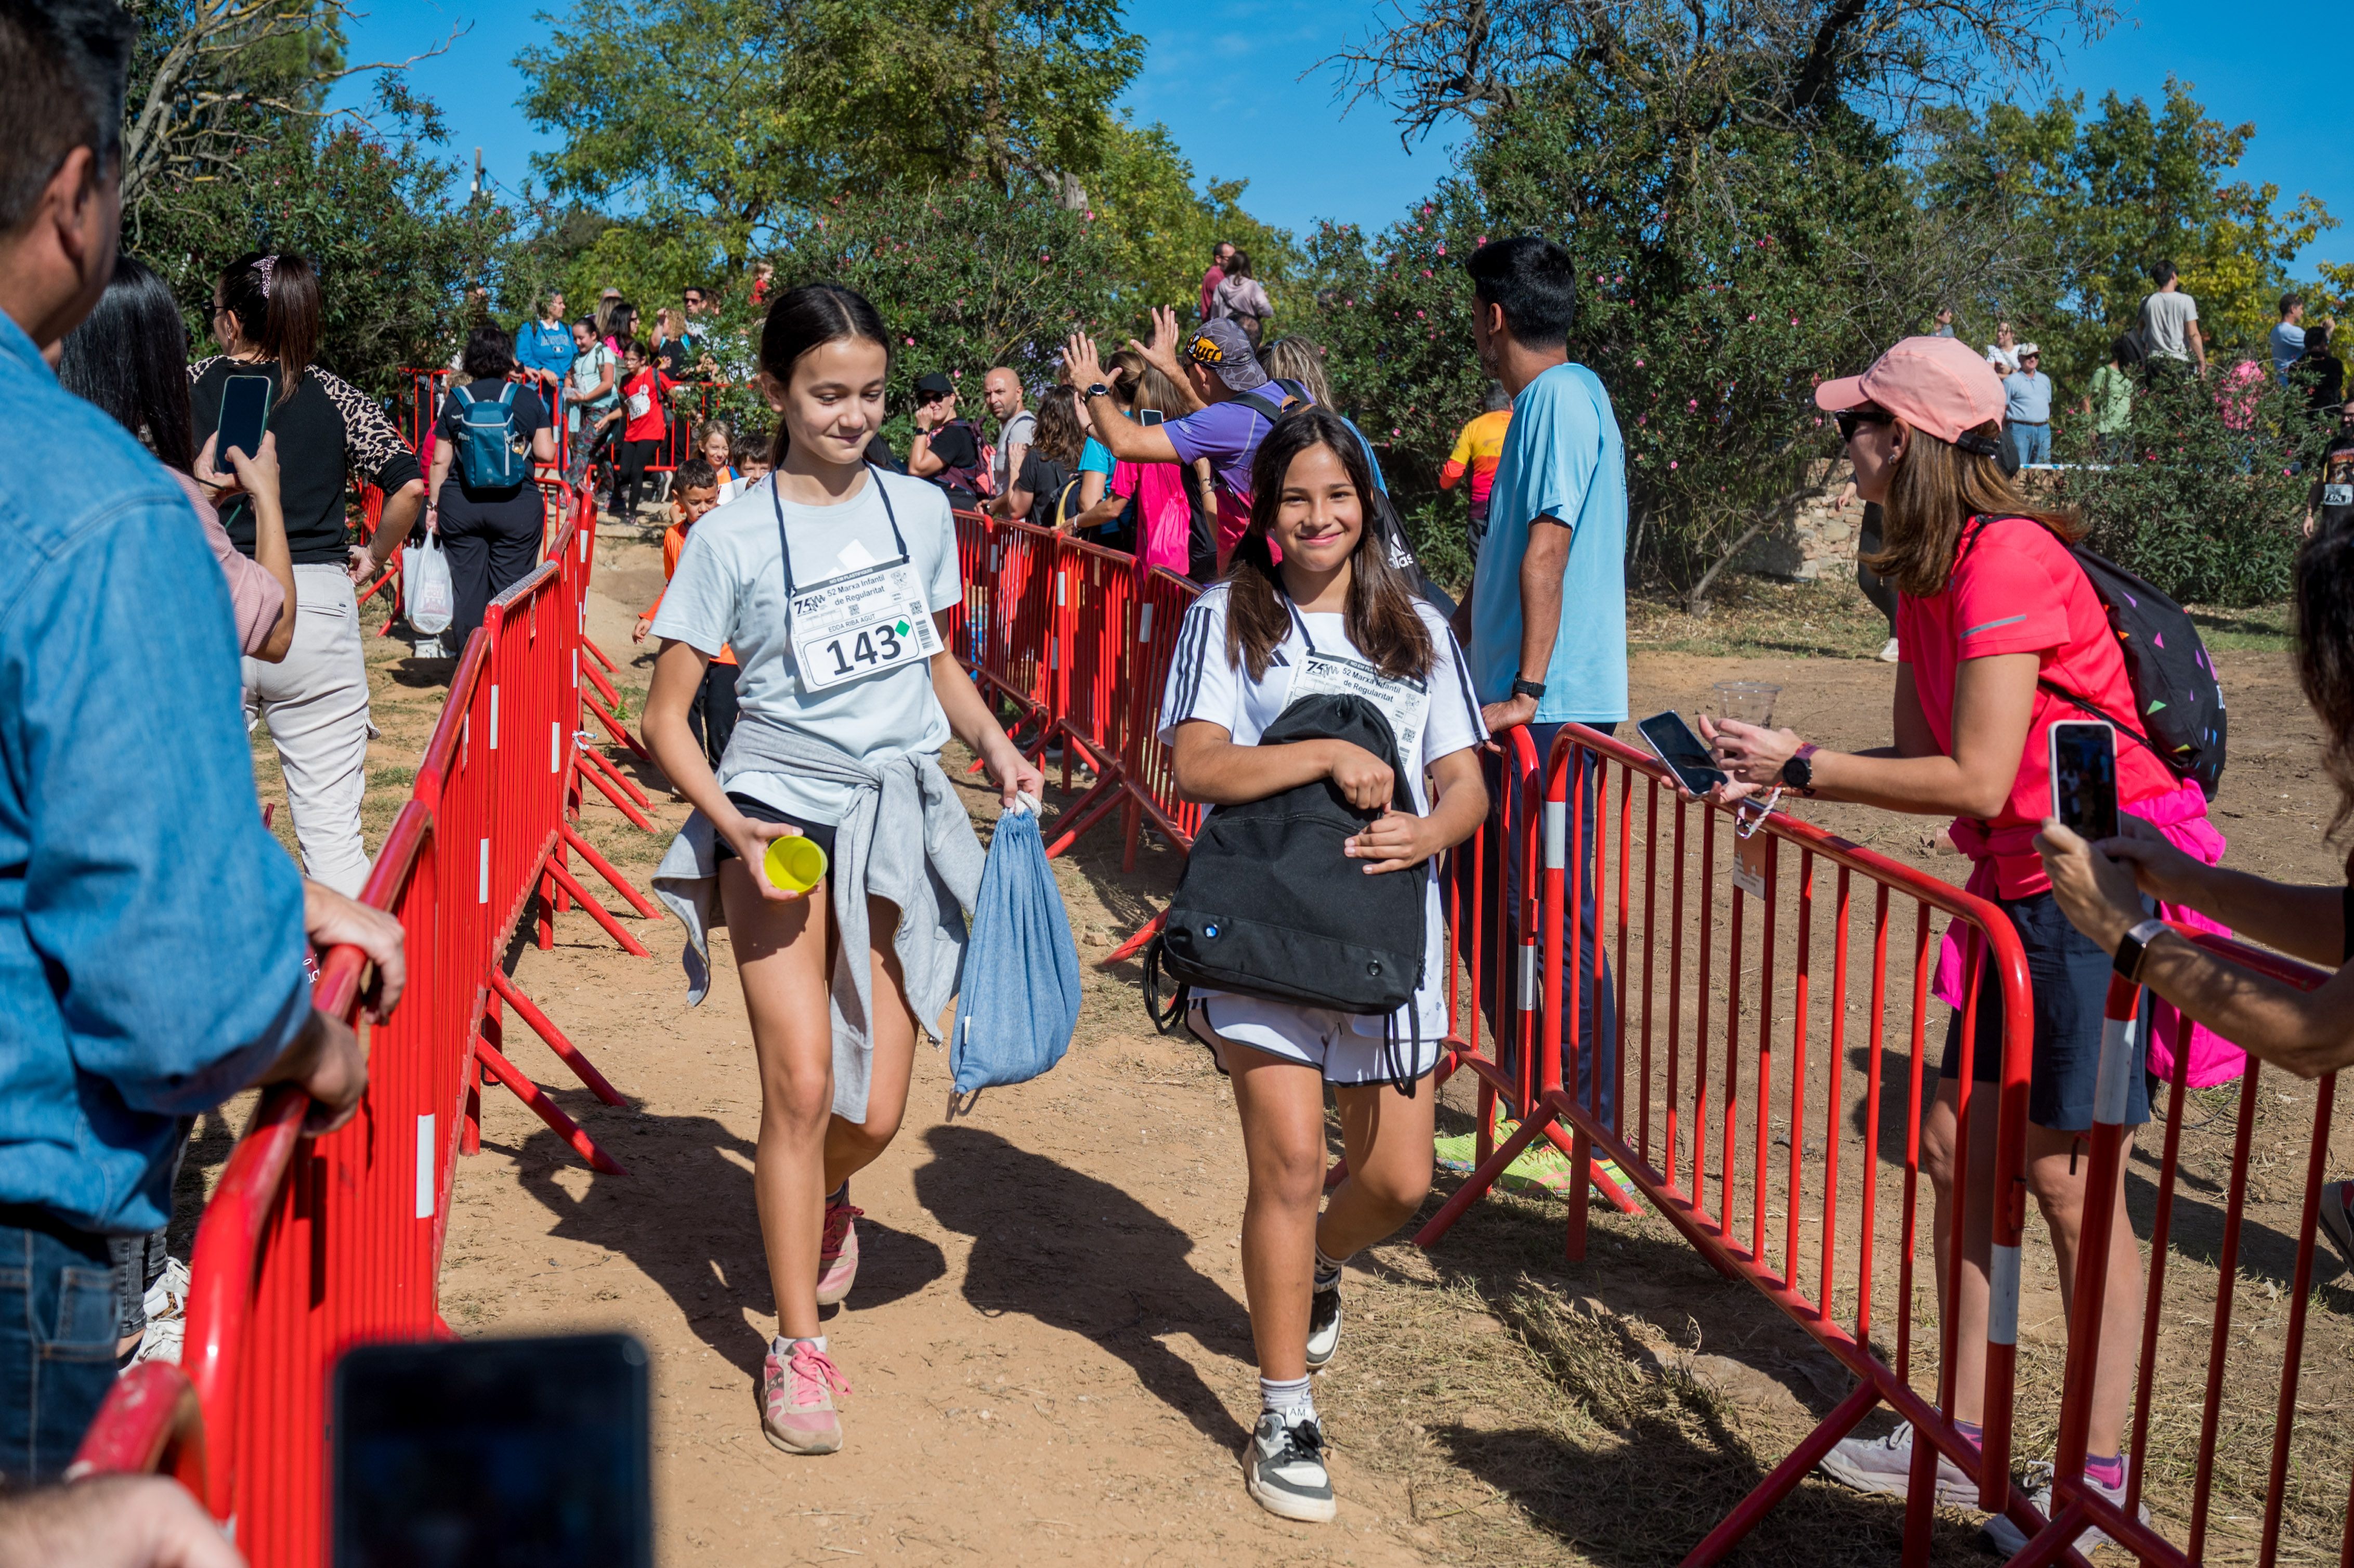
(1220, 346)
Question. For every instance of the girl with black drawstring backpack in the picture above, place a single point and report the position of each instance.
(1334, 618)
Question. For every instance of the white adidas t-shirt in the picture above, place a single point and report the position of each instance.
(729, 591)
(1203, 685)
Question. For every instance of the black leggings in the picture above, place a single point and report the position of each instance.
(629, 484)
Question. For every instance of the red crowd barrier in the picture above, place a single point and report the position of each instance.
(1747, 1021)
(312, 1246)
(1672, 952)
(2194, 1539)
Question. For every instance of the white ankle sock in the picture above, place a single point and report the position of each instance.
(781, 1347)
(1293, 1399)
(1328, 1269)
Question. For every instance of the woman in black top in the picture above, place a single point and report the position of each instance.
(490, 532)
(315, 702)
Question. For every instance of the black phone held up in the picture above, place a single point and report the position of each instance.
(244, 417)
(1673, 741)
(493, 1453)
(2084, 777)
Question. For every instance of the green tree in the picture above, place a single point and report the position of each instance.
(2092, 201)
(1160, 226)
(721, 119)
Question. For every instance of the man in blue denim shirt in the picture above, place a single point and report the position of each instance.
(151, 933)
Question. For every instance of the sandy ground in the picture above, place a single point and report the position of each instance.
(1048, 1340)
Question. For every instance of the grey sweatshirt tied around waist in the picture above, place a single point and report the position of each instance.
(906, 838)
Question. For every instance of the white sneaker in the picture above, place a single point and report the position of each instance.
(1889, 655)
(166, 1303)
(1323, 1326)
(2005, 1538)
(1283, 1470)
(1882, 1467)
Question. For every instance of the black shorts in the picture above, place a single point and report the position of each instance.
(2068, 977)
(818, 833)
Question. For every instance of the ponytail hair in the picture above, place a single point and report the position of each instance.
(808, 317)
(275, 297)
(1381, 617)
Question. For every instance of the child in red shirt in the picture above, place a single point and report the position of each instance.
(645, 391)
(712, 715)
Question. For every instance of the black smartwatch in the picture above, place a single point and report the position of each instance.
(1095, 389)
(1798, 773)
(1528, 688)
(2135, 947)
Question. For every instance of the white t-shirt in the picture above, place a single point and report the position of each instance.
(729, 591)
(1021, 430)
(1203, 685)
(2165, 320)
(2004, 360)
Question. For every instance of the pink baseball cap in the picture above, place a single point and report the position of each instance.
(1937, 385)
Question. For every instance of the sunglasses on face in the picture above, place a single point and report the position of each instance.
(1848, 419)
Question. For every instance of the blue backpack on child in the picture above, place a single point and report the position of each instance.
(486, 441)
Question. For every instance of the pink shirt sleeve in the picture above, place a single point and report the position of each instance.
(255, 598)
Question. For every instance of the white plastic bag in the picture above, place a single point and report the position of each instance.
(425, 588)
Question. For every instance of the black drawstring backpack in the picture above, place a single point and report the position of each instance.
(1269, 907)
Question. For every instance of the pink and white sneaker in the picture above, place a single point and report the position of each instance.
(837, 1254)
(796, 1391)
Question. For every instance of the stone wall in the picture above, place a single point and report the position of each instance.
(1818, 541)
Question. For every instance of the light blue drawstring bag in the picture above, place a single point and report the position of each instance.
(1020, 1000)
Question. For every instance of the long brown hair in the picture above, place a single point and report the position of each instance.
(1060, 435)
(1381, 617)
(1938, 488)
(275, 299)
(2325, 656)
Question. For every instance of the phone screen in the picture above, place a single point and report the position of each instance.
(244, 415)
(2085, 778)
(1149, 416)
(1683, 751)
(494, 1452)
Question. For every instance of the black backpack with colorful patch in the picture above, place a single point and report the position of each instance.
(2178, 696)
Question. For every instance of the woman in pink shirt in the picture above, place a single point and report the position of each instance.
(130, 358)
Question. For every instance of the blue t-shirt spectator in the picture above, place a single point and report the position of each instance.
(2289, 347)
(151, 930)
(1094, 459)
(544, 346)
(2027, 397)
(1562, 458)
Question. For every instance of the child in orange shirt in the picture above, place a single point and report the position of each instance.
(711, 716)
(1477, 451)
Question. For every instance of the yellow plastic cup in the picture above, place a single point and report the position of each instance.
(794, 864)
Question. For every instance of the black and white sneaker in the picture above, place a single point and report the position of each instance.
(1323, 1325)
(1283, 1469)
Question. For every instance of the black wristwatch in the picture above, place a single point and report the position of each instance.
(1095, 389)
(2135, 947)
(1798, 773)
(1528, 688)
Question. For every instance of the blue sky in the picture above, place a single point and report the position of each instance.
(1223, 75)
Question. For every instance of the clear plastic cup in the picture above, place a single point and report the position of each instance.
(794, 863)
(1750, 702)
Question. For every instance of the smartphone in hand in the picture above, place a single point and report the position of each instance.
(491, 1453)
(244, 415)
(1672, 742)
(2084, 777)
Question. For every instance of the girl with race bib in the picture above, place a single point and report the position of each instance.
(1334, 615)
(831, 580)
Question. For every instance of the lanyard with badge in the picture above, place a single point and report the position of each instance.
(1405, 703)
(868, 621)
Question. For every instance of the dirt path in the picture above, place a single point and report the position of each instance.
(1048, 1340)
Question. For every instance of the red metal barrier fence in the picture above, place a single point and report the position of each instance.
(309, 1247)
(1754, 967)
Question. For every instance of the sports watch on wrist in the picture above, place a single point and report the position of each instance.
(1528, 688)
(1096, 389)
(2135, 949)
(1798, 773)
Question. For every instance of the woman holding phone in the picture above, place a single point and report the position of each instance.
(315, 702)
(841, 721)
(1994, 613)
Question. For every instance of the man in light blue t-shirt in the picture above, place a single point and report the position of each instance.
(1545, 621)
